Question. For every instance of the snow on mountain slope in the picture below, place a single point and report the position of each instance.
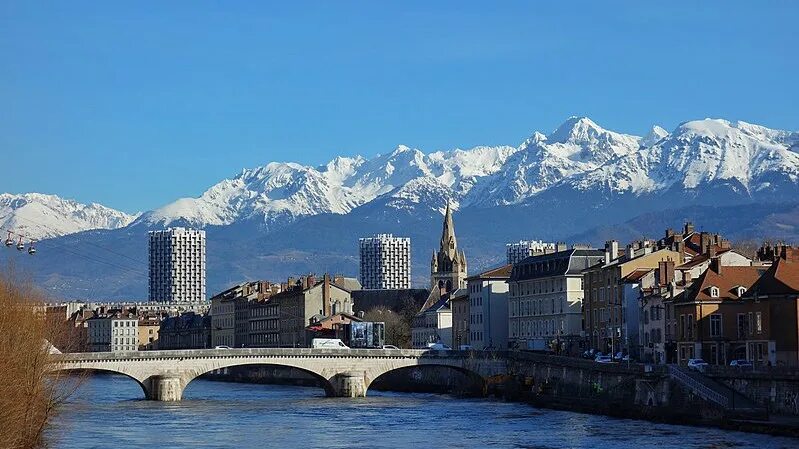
(700, 153)
(38, 216)
(578, 155)
(278, 193)
(577, 146)
(654, 136)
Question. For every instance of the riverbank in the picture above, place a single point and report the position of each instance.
(563, 384)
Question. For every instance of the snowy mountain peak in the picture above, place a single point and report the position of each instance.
(653, 136)
(576, 129)
(579, 155)
(39, 216)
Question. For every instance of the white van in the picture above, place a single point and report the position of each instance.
(328, 343)
(438, 347)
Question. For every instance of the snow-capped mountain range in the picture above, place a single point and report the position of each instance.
(37, 216)
(579, 157)
(580, 184)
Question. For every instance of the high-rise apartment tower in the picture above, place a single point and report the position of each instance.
(177, 265)
(516, 252)
(385, 262)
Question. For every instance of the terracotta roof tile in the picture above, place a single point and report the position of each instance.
(726, 282)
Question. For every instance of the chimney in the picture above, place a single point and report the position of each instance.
(630, 251)
(560, 246)
(665, 272)
(326, 295)
(790, 254)
(689, 228)
(715, 265)
(711, 251)
(686, 277)
(310, 281)
(611, 250)
(681, 247)
(704, 241)
(669, 233)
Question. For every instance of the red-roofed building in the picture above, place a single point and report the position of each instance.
(714, 320)
(777, 290)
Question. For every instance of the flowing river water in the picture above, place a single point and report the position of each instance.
(109, 412)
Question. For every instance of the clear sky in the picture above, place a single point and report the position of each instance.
(136, 104)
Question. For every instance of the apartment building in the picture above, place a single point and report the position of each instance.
(488, 308)
(177, 265)
(460, 306)
(518, 251)
(385, 262)
(716, 323)
(114, 333)
(545, 302)
(612, 294)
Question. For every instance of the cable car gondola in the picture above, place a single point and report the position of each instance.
(31, 249)
(20, 245)
(9, 242)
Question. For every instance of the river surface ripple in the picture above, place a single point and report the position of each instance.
(109, 412)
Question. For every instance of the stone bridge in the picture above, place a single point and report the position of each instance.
(163, 375)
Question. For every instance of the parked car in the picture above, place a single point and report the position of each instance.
(743, 364)
(603, 359)
(390, 347)
(619, 355)
(328, 343)
(221, 347)
(466, 348)
(438, 347)
(697, 364)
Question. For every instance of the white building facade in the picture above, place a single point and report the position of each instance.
(488, 308)
(516, 252)
(385, 262)
(114, 334)
(177, 265)
(545, 302)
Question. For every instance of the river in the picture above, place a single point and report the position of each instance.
(108, 412)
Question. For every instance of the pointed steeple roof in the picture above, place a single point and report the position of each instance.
(448, 242)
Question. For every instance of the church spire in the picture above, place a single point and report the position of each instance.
(448, 242)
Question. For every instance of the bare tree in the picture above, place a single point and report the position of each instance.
(30, 394)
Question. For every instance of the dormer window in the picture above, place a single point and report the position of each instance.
(740, 290)
(714, 291)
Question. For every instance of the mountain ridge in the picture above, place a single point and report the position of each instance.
(285, 218)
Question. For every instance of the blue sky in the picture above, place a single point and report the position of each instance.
(134, 105)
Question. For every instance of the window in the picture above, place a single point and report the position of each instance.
(715, 325)
(714, 292)
(758, 323)
(682, 327)
(741, 326)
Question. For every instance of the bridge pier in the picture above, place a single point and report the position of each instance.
(350, 384)
(163, 388)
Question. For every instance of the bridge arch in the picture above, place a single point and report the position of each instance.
(92, 370)
(324, 382)
(475, 383)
